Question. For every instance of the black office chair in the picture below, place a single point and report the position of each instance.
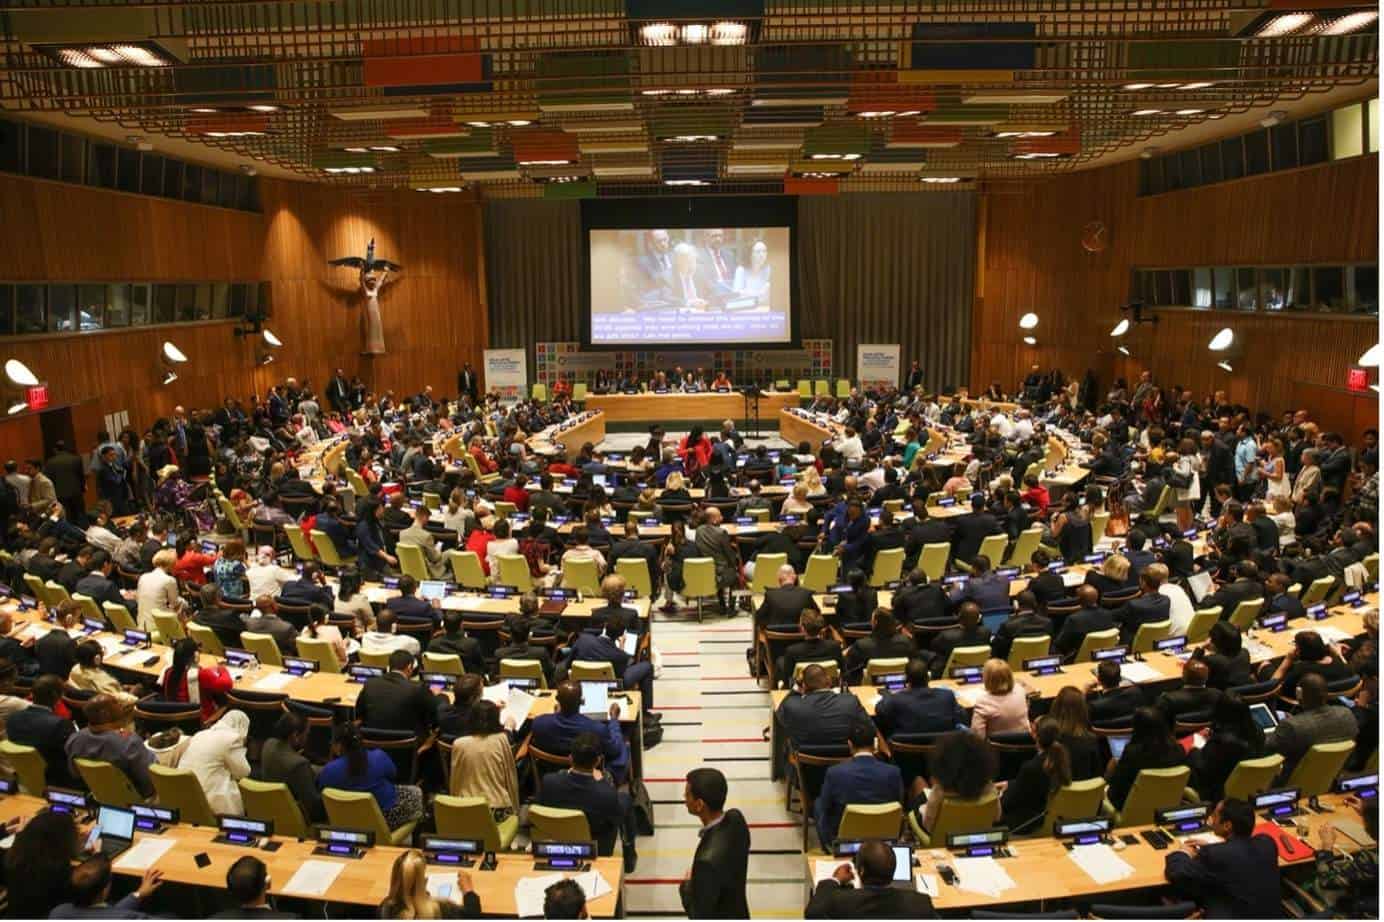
(1183, 910)
(1256, 692)
(400, 745)
(153, 715)
(318, 747)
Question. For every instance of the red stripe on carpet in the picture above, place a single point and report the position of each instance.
(652, 881)
(747, 739)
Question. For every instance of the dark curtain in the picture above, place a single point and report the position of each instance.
(533, 271)
(872, 268)
(890, 268)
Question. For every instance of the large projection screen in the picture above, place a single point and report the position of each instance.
(679, 273)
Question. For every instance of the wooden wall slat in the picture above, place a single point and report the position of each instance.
(434, 317)
(1034, 261)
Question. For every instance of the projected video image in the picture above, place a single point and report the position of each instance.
(684, 285)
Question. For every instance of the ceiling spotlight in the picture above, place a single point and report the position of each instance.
(695, 33)
(1147, 153)
(659, 33)
(203, 110)
(385, 149)
(1273, 118)
(264, 357)
(685, 182)
(1224, 366)
(875, 113)
(1342, 25)
(1030, 341)
(692, 138)
(270, 339)
(1369, 360)
(1190, 111)
(729, 33)
(1122, 350)
(1286, 24)
(19, 374)
(1137, 86)
(248, 169)
(1028, 321)
(19, 407)
(264, 108)
(562, 162)
(1146, 112)
(1222, 340)
(1121, 328)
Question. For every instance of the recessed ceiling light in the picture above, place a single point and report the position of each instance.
(439, 189)
(1190, 111)
(562, 162)
(940, 179)
(685, 182)
(1167, 86)
(729, 33)
(1137, 86)
(126, 54)
(694, 33)
(19, 374)
(692, 138)
(1037, 155)
(385, 148)
(659, 33)
(1284, 25)
(1030, 341)
(1342, 25)
(357, 150)
(518, 122)
(1198, 85)
(1147, 153)
(203, 110)
(1224, 366)
(1146, 111)
(815, 174)
(1121, 328)
(1222, 340)
(264, 108)
(1028, 321)
(880, 113)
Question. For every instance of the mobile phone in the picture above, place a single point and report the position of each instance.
(947, 874)
(92, 838)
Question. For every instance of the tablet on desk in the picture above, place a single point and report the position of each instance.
(431, 589)
(1200, 584)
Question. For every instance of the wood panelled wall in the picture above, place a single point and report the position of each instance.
(434, 313)
(1032, 260)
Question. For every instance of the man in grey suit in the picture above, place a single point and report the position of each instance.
(716, 262)
(418, 534)
(656, 262)
(715, 542)
(1315, 722)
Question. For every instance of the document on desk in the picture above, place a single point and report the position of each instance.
(1139, 672)
(823, 868)
(1257, 651)
(926, 883)
(965, 698)
(982, 875)
(313, 878)
(593, 884)
(142, 855)
(1354, 830)
(1100, 863)
(528, 895)
(1332, 634)
(275, 681)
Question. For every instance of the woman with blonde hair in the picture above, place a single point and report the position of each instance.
(1113, 575)
(813, 479)
(797, 503)
(409, 898)
(1003, 706)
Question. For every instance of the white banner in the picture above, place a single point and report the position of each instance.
(877, 365)
(507, 371)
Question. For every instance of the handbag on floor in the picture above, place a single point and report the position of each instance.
(643, 806)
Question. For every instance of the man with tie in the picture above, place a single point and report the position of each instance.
(684, 286)
(717, 261)
(339, 392)
(656, 263)
(915, 378)
(467, 383)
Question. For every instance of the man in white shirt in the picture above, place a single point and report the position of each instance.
(1180, 609)
(266, 577)
(157, 590)
(1001, 424)
(503, 545)
(305, 434)
(851, 447)
(1023, 426)
(384, 640)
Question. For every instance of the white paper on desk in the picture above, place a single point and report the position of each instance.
(593, 884)
(142, 855)
(1139, 672)
(873, 702)
(517, 706)
(497, 694)
(966, 699)
(926, 883)
(1331, 633)
(441, 885)
(275, 681)
(32, 629)
(1257, 650)
(313, 878)
(1100, 863)
(1073, 578)
(823, 868)
(528, 895)
(982, 875)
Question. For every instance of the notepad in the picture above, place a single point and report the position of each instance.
(1332, 634)
(823, 868)
(593, 884)
(1354, 830)
(518, 705)
(1139, 672)
(1100, 863)
(313, 878)
(528, 895)
(982, 875)
(926, 883)
(142, 855)
(275, 681)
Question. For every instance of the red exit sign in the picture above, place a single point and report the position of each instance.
(37, 396)
(1358, 379)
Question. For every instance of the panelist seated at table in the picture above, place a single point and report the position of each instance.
(410, 896)
(865, 890)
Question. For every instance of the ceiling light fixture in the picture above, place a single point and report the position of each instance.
(1273, 118)
(685, 182)
(19, 407)
(1224, 366)
(1121, 328)
(19, 374)
(939, 179)
(1222, 340)
(875, 113)
(562, 162)
(729, 33)
(204, 110)
(1028, 321)
(1147, 112)
(659, 34)
(695, 33)
(1369, 360)
(1190, 111)
(692, 138)
(1030, 341)
(439, 189)
(1342, 25)
(1038, 155)
(125, 54)
(1283, 25)
(1147, 153)
(270, 339)
(1122, 350)
(1198, 85)
(1137, 86)
(264, 108)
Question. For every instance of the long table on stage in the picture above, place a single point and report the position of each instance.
(590, 428)
(673, 407)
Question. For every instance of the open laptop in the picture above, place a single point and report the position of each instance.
(432, 589)
(1117, 745)
(903, 861)
(595, 699)
(116, 828)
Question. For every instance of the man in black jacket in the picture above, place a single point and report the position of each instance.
(1025, 622)
(79, 566)
(631, 548)
(715, 884)
(969, 632)
(394, 701)
(784, 604)
(918, 599)
(38, 726)
(886, 641)
(1234, 879)
(455, 642)
(969, 530)
(1113, 700)
(517, 648)
(608, 812)
(247, 882)
(1149, 607)
(876, 897)
(408, 607)
(918, 709)
(1091, 617)
(1245, 588)
(98, 583)
(225, 623)
(924, 530)
(817, 716)
(1193, 697)
(813, 649)
(310, 588)
(1045, 585)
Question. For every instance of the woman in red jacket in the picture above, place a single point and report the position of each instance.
(695, 451)
(185, 681)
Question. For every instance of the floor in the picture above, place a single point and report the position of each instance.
(714, 715)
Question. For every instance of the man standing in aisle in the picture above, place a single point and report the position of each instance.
(714, 887)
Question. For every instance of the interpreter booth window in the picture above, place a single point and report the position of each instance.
(1365, 293)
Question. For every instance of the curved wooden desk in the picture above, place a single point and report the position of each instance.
(679, 407)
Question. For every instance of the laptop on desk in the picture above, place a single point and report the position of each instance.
(115, 827)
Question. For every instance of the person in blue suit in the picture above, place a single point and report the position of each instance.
(1234, 879)
(849, 536)
(607, 648)
(861, 779)
(989, 591)
(918, 709)
(583, 787)
(554, 733)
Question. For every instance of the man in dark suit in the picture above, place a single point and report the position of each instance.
(583, 787)
(1245, 588)
(454, 642)
(467, 383)
(607, 647)
(555, 732)
(1136, 555)
(1113, 699)
(1280, 600)
(861, 779)
(714, 887)
(969, 632)
(848, 536)
(875, 898)
(98, 583)
(923, 530)
(1088, 619)
(656, 262)
(38, 726)
(817, 716)
(1026, 622)
(886, 641)
(225, 624)
(915, 378)
(310, 588)
(72, 571)
(394, 701)
(329, 524)
(1193, 697)
(631, 548)
(1045, 585)
(1234, 879)
(247, 882)
(984, 588)
(884, 538)
(407, 607)
(784, 604)
(917, 709)
(517, 648)
(813, 649)
(68, 474)
(1148, 608)
(969, 530)
(339, 392)
(56, 651)
(918, 599)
